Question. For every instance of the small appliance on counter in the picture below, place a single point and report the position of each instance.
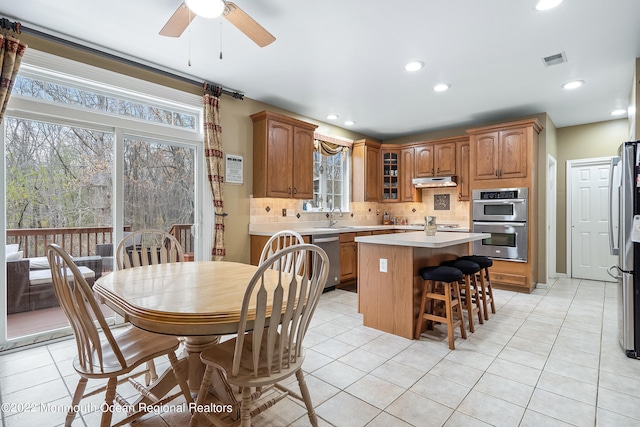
(386, 220)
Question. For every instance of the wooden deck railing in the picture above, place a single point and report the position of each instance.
(182, 232)
(79, 241)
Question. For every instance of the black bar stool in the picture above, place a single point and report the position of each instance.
(449, 292)
(472, 301)
(485, 281)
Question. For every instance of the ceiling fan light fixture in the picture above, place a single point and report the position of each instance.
(206, 8)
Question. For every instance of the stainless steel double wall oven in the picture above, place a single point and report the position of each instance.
(501, 212)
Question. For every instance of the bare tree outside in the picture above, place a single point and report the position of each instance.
(61, 176)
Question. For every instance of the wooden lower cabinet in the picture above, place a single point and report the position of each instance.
(348, 257)
(513, 276)
(258, 242)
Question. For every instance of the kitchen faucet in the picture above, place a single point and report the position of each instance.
(333, 222)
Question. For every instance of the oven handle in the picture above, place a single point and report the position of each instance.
(501, 224)
(500, 202)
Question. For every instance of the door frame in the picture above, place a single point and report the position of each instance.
(571, 164)
(552, 209)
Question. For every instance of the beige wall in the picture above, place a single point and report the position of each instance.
(588, 141)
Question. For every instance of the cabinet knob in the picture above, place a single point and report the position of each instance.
(438, 170)
(289, 190)
(431, 171)
(295, 190)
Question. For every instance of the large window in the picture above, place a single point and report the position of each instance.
(90, 155)
(330, 181)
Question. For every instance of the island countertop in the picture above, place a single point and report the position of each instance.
(419, 239)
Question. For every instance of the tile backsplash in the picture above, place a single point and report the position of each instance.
(269, 210)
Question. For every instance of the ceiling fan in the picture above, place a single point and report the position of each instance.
(188, 10)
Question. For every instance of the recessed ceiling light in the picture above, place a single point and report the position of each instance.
(547, 4)
(441, 87)
(414, 66)
(619, 112)
(349, 123)
(573, 85)
(332, 116)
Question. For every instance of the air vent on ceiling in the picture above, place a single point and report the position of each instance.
(556, 59)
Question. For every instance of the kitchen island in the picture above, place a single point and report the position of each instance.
(388, 283)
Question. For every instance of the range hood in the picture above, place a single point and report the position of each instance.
(440, 181)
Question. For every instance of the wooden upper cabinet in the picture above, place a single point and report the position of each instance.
(424, 161)
(282, 156)
(486, 156)
(464, 172)
(435, 159)
(302, 164)
(408, 193)
(445, 158)
(390, 174)
(366, 171)
(513, 153)
(505, 151)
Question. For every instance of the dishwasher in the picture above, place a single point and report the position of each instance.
(331, 245)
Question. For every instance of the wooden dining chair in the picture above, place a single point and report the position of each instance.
(148, 247)
(101, 355)
(256, 361)
(281, 240)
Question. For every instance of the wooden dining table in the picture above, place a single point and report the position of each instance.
(196, 300)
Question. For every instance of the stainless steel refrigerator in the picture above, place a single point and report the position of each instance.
(624, 235)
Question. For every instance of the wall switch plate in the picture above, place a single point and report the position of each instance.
(383, 265)
(284, 212)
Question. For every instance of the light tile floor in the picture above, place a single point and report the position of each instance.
(549, 358)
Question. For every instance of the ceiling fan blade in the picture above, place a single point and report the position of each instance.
(247, 25)
(178, 22)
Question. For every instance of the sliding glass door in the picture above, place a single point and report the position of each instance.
(159, 187)
(58, 189)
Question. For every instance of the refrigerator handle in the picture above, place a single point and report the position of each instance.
(612, 187)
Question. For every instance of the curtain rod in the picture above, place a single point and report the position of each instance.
(19, 28)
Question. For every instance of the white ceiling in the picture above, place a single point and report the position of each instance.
(347, 56)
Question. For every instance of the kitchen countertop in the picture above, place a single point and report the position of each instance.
(442, 239)
(271, 229)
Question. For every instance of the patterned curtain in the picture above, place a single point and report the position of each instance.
(11, 51)
(215, 165)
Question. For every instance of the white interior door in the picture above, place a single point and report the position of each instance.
(589, 206)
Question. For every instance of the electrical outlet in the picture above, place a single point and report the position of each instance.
(284, 212)
(383, 265)
(291, 212)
